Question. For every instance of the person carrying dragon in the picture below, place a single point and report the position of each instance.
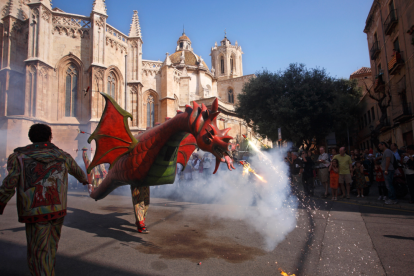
(150, 158)
(98, 173)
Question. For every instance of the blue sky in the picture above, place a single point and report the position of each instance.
(272, 33)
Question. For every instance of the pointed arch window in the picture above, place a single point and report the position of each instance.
(222, 64)
(231, 64)
(231, 95)
(150, 111)
(111, 85)
(71, 93)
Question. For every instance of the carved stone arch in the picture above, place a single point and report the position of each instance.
(134, 44)
(62, 67)
(176, 103)
(233, 63)
(32, 69)
(221, 62)
(150, 97)
(230, 95)
(119, 82)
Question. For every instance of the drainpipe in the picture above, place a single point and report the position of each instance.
(126, 85)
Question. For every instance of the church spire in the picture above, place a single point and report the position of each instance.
(99, 7)
(135, 29)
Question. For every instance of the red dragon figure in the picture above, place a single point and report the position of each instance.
(151, 158)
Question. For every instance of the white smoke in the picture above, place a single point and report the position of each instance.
(268, 208)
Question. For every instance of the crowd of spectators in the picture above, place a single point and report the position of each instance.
(355, 171)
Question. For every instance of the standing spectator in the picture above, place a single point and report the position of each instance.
(307, 173)
(188, 171)
(39, 174)
(397, 153)
(409, 170)
(345, 168)
(3, 166)
(379, 178)
(196, 166)
(334, 178)
(357, 155)
(388, 169)
(296, 170)
(323, 173)
(207, 165)
(365, 156)
(333, 153)
(359, 178)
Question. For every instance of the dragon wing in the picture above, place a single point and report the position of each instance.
(112, 135)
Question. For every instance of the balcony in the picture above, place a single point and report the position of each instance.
(379, 84)
(375, 50)
(390, 22)
(402, 112)
(395, 64)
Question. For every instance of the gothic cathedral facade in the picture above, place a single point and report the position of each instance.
(54, 64)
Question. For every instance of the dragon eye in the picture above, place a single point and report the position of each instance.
(207, 140)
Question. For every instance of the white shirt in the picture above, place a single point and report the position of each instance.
(325, 158)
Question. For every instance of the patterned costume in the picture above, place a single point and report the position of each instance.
(141, 201)
(97, 174)
(39, 174)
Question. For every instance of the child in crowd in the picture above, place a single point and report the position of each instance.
(359, 178)
(379, 178)
(334, 178)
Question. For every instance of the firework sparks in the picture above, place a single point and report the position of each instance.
(285, 274)
(247, 169)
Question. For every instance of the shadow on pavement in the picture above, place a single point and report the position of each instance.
(14, 262)
(104, 225)
(399, 237)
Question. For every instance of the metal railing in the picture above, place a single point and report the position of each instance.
(391, 21)
(375, 50)
(395, 62)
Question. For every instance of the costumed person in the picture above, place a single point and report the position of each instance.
(39, 173)
(188, 170)
(98, 173)
(196, 166)
(206, 166)
(140, 200)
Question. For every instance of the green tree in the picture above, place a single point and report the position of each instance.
(305, 103)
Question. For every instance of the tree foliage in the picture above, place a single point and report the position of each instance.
(304, 103)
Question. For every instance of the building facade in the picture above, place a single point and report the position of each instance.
(390, 34)
(54, 64)
(370, 112)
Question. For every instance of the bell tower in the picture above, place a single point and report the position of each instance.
(226, 59)
(183, 43)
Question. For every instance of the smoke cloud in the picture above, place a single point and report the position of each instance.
(268, 208)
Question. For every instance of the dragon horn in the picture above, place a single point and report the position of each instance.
(214, 106)
(194, 114)
(213, 116)
(203, 107)
(199, 122)
(225, 131)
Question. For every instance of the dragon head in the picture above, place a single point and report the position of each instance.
(203, 125)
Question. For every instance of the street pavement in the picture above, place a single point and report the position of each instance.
(331, 238)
